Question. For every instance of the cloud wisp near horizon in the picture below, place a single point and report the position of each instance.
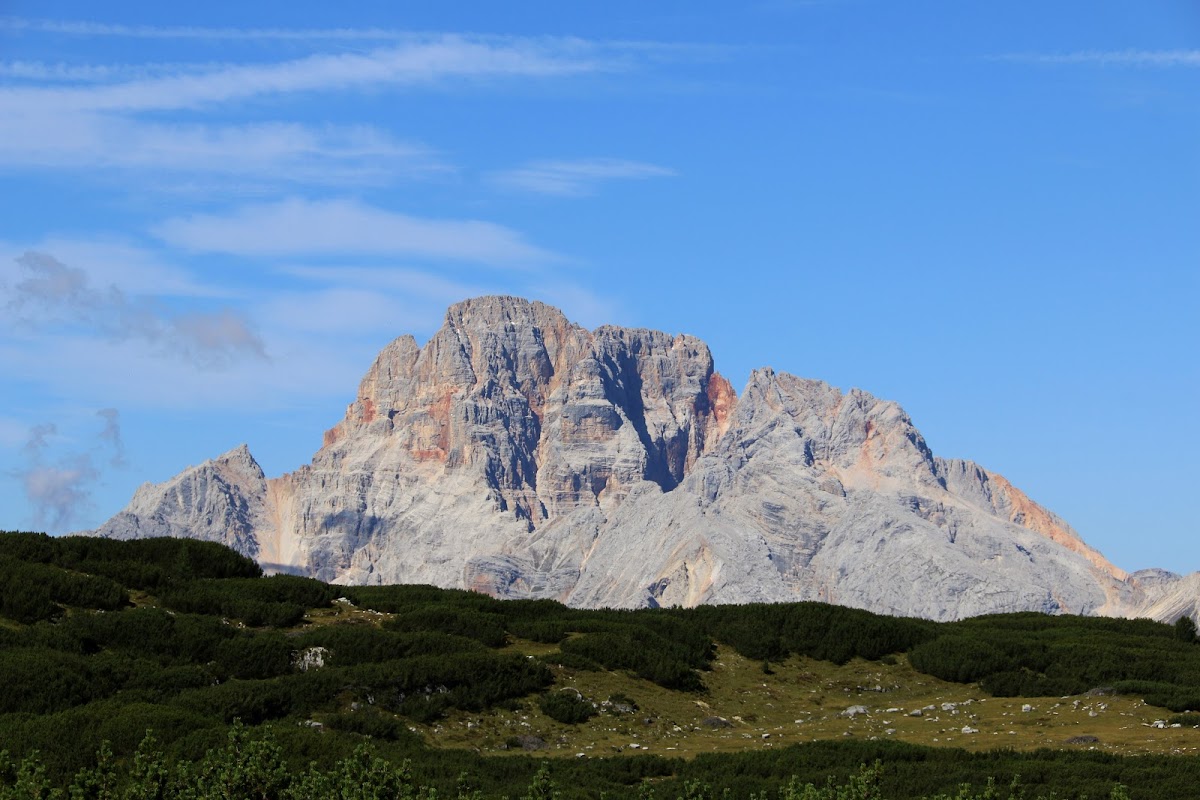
(59, 486)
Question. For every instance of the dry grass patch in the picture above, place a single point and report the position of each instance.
(803, 700)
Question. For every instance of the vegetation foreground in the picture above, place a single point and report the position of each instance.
(288, 687)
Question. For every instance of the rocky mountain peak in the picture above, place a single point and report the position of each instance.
(497, 312)
(520, 454)
(553, 416)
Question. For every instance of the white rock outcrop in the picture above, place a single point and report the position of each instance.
(521, 455)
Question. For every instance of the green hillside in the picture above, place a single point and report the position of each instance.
(280, 682)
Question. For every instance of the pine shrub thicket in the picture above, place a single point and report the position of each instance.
(103, 640)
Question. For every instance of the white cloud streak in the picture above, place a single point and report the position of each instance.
(575, 178)
(298, 227)
(420, 62)
(328, 154)
(41, 71)
(79, 116)
(97, 29)
(1115, 58)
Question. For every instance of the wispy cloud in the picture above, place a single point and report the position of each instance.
(39, 439)
(426, 61)
(298, 227)
(98, 29)
(59, 493)
(73, 72)
(574, 178)
(41, 71)
(135, 269)
(1121, 58)
(59, 490)
(111, 435)
(54, 295)
(82, 116)
(288, 152)
(395, 36)
(106, 329)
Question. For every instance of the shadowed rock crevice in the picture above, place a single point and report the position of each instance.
(623, 388)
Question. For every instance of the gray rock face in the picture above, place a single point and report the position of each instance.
(221, 500)
(521, 455)
(1168, 596)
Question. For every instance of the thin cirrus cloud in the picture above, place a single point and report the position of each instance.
(81, 116)
(100, 29)
(419, 62)
(298, 227)
(1118, 58)
(575, 178)
(42, 71)
(329, 154)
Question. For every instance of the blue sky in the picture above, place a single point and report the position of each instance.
(214, 216)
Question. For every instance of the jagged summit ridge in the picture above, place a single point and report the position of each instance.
(520, 454)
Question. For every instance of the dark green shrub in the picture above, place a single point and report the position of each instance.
(566, 706)
(469, 680)
(252, 702)
(652, 657)
(32, 591)
(546, 632)
(139, 563)
(481, 626)
(234, 599)
(255, 656)
(362, 644)
(372, 723)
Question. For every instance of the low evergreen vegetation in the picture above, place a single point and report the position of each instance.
(1039, 655)
(246, 681)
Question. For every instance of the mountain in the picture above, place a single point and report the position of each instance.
(521, 455)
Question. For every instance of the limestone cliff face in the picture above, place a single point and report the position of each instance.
(519, 454)
(222, 500)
